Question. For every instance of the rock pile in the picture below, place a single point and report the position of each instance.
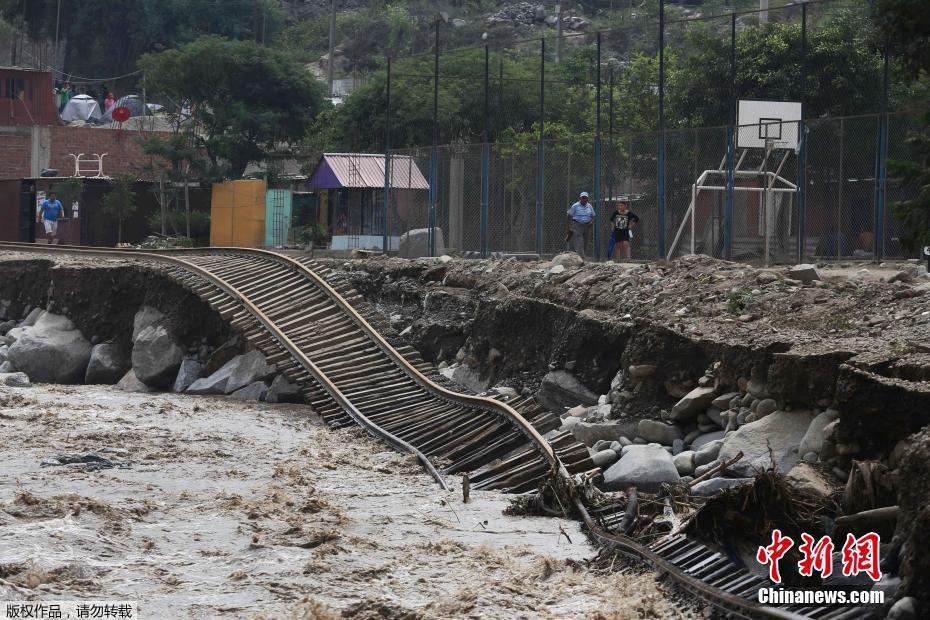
(48, 348)
(710, 425)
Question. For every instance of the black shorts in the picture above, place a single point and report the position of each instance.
(621, 234)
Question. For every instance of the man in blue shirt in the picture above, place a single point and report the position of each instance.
(49, 212)
(580, 222)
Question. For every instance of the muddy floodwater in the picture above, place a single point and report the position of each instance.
(219, 508)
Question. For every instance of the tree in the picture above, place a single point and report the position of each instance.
(120, 201)
(905, 28)
(246, 100)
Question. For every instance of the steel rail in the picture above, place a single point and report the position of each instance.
(273, 330)
(731, 603)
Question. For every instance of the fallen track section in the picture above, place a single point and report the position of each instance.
(318, 332)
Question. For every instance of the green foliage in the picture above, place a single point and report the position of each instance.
(914, 213)
(69, 190)
(120, 201)
(200, 223)
(905, 26)
(246, 99)
(739, 301)
(315, 233)
(106, 37)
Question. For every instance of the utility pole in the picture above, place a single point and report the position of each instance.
(558, 34)
(332, 45)
(763, 11)
(57, 23)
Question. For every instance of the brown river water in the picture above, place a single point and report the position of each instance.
(250, 510)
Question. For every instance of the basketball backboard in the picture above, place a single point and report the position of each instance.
(774, 121)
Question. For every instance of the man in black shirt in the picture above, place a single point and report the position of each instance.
(623, 220)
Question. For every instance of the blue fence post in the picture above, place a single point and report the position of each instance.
(434, 154)
(541, 150)
(387, 162)
(728, 206)
(660, 185)
(802, 191)
(597, 157)
(878, 245)
(485, 157)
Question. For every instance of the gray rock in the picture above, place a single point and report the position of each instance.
(813, 438)
(131, 383)
(15, 379)
(903, 609)
(659, 432)
(694, 402)
(722, 402)
(781, 431)
(282, 391)
(765, 407)
(4, 351)
(145, 317)
(684, 463)
(757, 389)
(51, 351)
(589, 433)
(716, 416)
(6, 326)
(415, 243)
(604, 458)
(506, 392)
(700, 470)
(7, 367)
(108, 364)
(603, 444)
(568, 260)
(189, 371)
(621, 443)
(806, 273)
(810, 457)
(717, 485)
(560, 389)
(470, 378)
(678, 446)
(32, 317)
(805, 478)
(156, 356)
(248, 368)
(645, 467)
(707, 452)
(703, 439)
(253, 391)
(642, 371)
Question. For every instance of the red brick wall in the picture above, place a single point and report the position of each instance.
(123, 148)
(15, 152)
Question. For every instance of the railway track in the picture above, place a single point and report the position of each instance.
(313, 327)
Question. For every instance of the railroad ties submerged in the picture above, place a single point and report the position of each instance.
(313, 327)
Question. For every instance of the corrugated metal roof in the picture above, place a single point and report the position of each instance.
(366, 170)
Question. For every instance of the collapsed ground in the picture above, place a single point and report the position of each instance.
(664, 370)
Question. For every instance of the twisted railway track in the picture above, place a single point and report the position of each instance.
(311, 326)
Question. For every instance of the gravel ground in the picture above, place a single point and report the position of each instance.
(230, 509)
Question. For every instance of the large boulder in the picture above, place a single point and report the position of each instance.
(806, 273)
(189, 372)
(253, 391)
(645, 467)
(590, 433)
(51, 351)
(776, 436)
(156, 356)
(561, 389)
(237, 373)
(655, 431)
(14, 379)
(415, 243)
(145, 317)
(707, 453)
(130, 383)
(693, 403)
(282, 391)
(805, 478)
(108, 364)
(813, 438)
(717, 485)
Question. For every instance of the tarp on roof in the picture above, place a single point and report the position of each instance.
(133, 102)
(365, 170)
(81, 108)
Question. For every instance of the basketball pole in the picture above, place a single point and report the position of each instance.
(731, 137)
(660, 188)
(802, 136)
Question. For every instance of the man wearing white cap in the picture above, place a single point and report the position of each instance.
(580, 221)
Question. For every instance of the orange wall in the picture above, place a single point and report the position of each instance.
(237, 214)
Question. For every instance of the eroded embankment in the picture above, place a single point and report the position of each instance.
(841, 361)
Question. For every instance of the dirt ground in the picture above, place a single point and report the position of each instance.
(230, 509)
